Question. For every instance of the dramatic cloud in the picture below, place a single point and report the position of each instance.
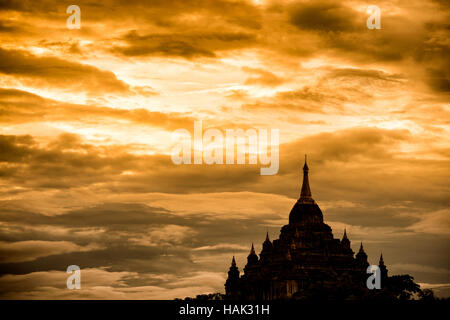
(323, 16)
(183, 45)
(59, 73)
(31, 250)
(87, 115)
(19, 107)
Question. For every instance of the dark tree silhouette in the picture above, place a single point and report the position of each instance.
(403, 287)
(427, 295)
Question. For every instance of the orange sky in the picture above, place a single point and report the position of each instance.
(87, 115)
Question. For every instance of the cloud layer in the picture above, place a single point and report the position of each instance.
(86, 116)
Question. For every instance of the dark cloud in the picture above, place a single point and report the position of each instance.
(324, 16)
(232, 11)
(363, 73)
(308, 99)
(57, 168)
(403, 37)
(18, 106)
(9, 27)
(188, 45)
(138, 238)
(66, 165)
(59, 73)
(439, 79)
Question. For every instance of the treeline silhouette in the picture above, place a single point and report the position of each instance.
(397, 288)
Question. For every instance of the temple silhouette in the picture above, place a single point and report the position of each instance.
(306, 261)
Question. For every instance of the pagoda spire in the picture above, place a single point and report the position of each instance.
(345, 241)
(305, 195)
(361, 249)
(233, 276)
(267, 245)
(252, 258)
(381, 263)
(361, 259)
(252, 250)
(384, 271)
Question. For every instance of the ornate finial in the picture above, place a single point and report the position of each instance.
(345, 234)
(233, 262)
(361, 249)
(345, 241)
(381, 263)
(267, 236)
(252, 251)
(305, 195)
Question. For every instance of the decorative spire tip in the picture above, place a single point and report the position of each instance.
(305, 194)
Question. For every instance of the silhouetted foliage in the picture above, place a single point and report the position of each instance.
(210, 296)
(399, 287)
(427, 295)
(403, 287)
